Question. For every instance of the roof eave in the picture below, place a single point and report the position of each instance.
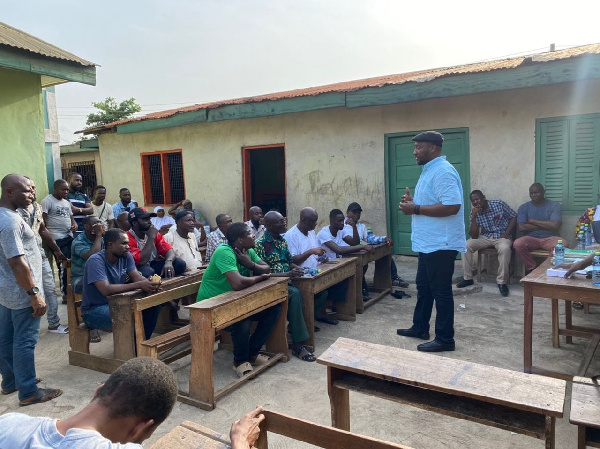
(55, 70)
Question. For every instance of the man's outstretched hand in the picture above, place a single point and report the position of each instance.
(245, 431)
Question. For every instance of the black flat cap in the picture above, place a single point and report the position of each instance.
(354, 206)
(430, 136)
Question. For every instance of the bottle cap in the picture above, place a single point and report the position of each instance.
(597, 253)
(559, 241)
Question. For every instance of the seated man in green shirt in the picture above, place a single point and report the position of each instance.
(273, 249)
(235, 266)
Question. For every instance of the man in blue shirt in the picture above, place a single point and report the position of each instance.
(438, 234)
(105, 274)
(539, 220)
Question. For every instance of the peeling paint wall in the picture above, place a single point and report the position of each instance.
(22, 146)
(336, 156)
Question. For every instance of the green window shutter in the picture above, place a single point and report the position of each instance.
(553, 160)
(568, 160)
(584, 164)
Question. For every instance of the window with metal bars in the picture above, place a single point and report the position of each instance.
(162, 174)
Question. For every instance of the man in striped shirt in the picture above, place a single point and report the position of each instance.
(80, 202)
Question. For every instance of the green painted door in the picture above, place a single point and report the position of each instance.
(402, 171)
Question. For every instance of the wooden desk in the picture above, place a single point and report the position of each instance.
(382, 278)
(332, 273)
(585, 411)
(509, 400)
(538, 285)
(123, 331)
(189, 435)
(214, 314)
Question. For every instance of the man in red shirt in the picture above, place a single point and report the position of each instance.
(151, 253)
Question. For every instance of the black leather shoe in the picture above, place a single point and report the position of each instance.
(413, 333)
(434, 346)
(503, 289)
(464, 283)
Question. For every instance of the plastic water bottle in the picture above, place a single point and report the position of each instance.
(596, 269)
(559, 254)
(588, 236)
(369, 235)
(581, 240)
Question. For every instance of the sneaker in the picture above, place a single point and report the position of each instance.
(503, 289)
(465, 283)
(366, 296)
(399, 282)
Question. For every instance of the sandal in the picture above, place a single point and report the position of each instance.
(261, 359)
(243, 369)
(328, 320)
(60, 329)
(42, 395)
(95, 336)
(331, 310)
(12, 390)
(304, 354)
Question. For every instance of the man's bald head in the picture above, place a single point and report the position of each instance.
(123, 221)
(12, 180)
(275, 223)
(308, 219)
(16, 191)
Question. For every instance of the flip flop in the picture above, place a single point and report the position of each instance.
(95, 336)
(42, 395)
(304, 354)
(12, 390)
(260, 359)
(61, 329)
(243, 369)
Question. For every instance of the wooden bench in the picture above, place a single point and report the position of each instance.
(123, 327)
(190, 435)
(217, 313)
(158, 345)
(382, 277)
(519, 402)
(585, 411)
(331, 273)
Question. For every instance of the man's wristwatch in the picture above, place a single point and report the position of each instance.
(34, 291)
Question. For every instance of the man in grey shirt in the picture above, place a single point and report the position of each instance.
(21, 299)
(58, 218)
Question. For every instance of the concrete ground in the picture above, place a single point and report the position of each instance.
(489, 330)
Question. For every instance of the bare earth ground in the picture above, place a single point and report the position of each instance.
(489, 330)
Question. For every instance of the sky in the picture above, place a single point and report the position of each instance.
(169, 54)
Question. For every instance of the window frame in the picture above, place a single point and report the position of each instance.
(166, 179)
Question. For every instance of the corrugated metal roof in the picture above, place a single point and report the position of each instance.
(16, 38)
(351, 86)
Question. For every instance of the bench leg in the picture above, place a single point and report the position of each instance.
(339, 400)
(555, 323)
(202, 336)
(550, 431)
(569, 320)
(80, 340)
(581, 437)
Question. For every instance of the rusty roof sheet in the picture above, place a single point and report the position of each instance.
(16, 38)
(422, 76)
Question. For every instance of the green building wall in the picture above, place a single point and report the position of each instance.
(22, 143)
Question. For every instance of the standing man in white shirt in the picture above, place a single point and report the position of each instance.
(102, 209)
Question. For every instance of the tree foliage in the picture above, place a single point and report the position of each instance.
(110, 111)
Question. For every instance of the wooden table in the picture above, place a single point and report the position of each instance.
(217, 313)
(510, 400)
(382, 278)
(331, 273)
(585, 411)
(537, 284)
